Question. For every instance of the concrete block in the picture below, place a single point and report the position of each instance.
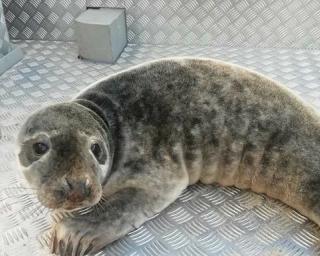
(101, 34)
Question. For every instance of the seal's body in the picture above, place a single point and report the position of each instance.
(167, 124)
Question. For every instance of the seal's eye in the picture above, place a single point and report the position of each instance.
(96, 150)
(40, 148)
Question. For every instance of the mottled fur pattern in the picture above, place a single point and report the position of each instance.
(168, 124)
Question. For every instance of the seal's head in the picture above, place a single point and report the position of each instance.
(64, 153)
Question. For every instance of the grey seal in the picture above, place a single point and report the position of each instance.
(131, 143)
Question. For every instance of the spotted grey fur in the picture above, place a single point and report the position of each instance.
(165, 125)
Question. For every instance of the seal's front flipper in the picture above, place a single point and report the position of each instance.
(124, 211)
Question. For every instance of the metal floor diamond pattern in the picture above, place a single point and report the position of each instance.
(205, 220)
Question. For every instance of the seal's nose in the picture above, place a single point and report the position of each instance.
(78, 191)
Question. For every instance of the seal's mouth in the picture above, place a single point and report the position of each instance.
(74, 206)
(73, 198)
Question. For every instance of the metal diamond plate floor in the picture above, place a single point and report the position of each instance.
(205, 220)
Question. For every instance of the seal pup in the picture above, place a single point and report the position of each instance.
(129, 144)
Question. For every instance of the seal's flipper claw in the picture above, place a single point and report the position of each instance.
(88, 250)
(76, 244)
(68, 246)
(53, 243)
(61, 247)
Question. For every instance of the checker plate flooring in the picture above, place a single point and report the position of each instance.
(205, 220)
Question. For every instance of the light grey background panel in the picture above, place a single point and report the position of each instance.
(241, 23)
(5, 45)
(9, 55)
(205, 220)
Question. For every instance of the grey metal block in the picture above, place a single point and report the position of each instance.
(101, 34)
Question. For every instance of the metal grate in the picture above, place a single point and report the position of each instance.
(205, 220)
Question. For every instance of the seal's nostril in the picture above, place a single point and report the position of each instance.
(87, 187)
(69, 184)
(87, 183)
(88, 191)
(77, 191)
